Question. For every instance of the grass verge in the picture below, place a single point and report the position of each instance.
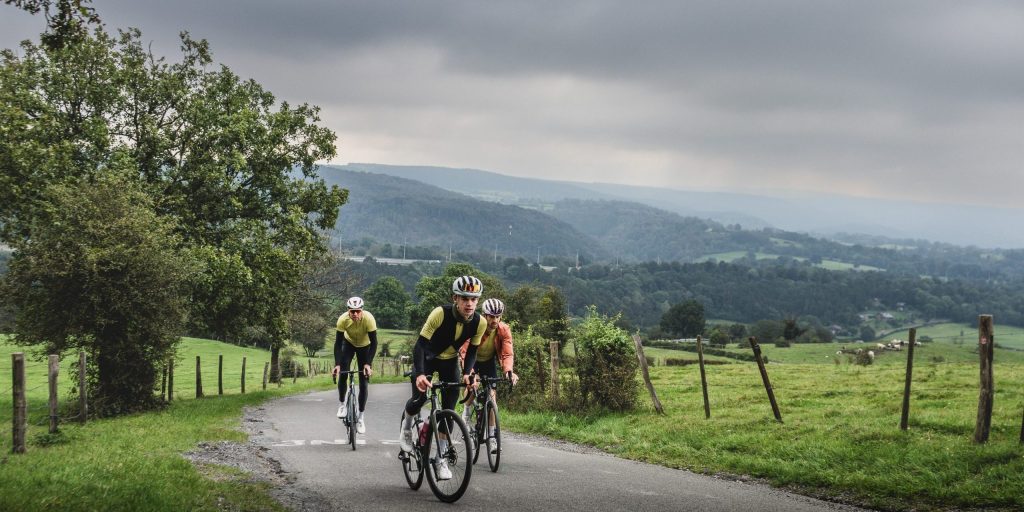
(135, 462)
(840, 438)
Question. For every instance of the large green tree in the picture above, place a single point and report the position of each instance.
(102, 272)
(389, 303)
(233, 169)
(685, 319)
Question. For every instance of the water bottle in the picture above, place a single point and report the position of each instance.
(424, 432)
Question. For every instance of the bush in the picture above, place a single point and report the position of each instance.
(678, 361)
(607, 364)
(782, 344)
(533, 366)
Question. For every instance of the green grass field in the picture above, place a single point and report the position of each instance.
(135, 462)
(731, 256)
(840, 438)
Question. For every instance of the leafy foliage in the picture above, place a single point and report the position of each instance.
(685, 319)
(232, 171)
(389, 303)
(102, 272)
(607, 363)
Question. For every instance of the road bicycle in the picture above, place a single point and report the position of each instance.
(484, 407)
(427, 455)
(351, 418)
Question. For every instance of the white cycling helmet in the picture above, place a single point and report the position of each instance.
(467, 286)
(493, 307)
(355, 303)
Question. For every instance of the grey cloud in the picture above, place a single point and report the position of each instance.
(869, 94)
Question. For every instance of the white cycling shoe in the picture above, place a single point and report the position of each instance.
(443, 473)
(341, 410)
(360, 426)
(405, 439)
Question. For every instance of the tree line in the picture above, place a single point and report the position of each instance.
(643, 292)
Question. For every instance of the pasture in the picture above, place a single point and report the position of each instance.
(840, 436)
(135, 462)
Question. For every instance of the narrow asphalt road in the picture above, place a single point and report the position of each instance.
(303, 434)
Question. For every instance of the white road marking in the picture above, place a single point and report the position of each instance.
(316, 442)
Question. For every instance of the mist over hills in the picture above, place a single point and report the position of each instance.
(400, 211)
(403, 213)
(822, 215)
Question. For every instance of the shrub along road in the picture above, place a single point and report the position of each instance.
(303, 434)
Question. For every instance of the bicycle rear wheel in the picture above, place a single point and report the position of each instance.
(352, 419)
(494, 458)
(456, 455)
(479, 432)
(412, 464)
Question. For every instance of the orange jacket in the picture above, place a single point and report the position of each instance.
(502, 346)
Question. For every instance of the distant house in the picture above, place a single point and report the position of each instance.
(885, 316)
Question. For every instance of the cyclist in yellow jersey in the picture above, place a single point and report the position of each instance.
(356, 335)
(446, 329)
(495, 349)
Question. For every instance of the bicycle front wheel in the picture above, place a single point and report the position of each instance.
(352, 420)
(494, 452)
(455, 456)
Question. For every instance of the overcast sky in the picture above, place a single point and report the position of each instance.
(919, 100)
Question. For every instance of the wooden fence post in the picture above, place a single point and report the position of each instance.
(646, 374)
(163, 382)
(20, 407)
(53, 370)
(83, 393)
(764, 377)
(199, 380)
(904, 419)
(703, 377)
(986, 342)
(266, 369)
(170, 380)
(309, 373)
(243, 375)
(554, 369)
(220, 374)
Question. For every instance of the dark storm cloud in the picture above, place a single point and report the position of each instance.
(850, 97)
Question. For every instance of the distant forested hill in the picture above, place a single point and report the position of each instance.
(400, 211)
(635, 232)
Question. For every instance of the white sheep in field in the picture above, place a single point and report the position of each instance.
(879, 345)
